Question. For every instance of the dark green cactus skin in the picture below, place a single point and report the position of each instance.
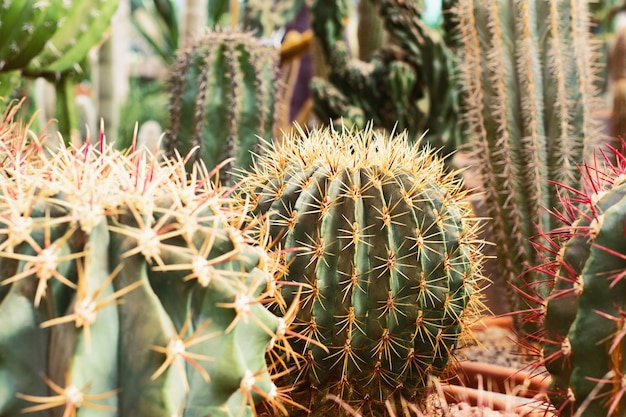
(529, 115)
(585, 311)
(386, 254)
(223, 93)
(154, 265)
(406, 84)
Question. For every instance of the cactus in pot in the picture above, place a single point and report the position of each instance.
(529, 117)
(380, 246)
(127, 287)
(223, 93)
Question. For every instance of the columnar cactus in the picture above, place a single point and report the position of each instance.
(406, 84)
(585, 312)
(528, 78)
(126, 289)
(222, 98)
(380, 246)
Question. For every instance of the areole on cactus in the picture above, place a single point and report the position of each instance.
(128, 287)
(381, 248)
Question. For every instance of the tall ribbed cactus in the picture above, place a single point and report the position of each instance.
(380, 245)
(126, 289)
(528, 78)
(406, 84)
(585, 312)
(222, 98)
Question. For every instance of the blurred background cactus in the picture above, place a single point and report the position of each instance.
(405, 82)
(223, 96)
(380, 249)
(50, 39)
(529, 118)
(126, 288)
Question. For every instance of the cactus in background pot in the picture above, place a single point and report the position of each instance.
(127, 287)
(528, 116)
(380, 244)
(223, 93)
(585, 312)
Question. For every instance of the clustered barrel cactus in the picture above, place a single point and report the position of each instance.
(127, 287)
(223, 90)
(585, 312)
(527, 74)
(381, 252)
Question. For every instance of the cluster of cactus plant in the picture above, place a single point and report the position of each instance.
(528, 77)
(128, 286)
(582, 340)
(380, 251)
(223, 93)
(406, 83)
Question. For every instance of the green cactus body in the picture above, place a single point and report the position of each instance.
(222, 95)
(585, 311)
(528, 114)
(406, 84)
(125, 288)
(25, 27)
(381, 245)
(80, 26)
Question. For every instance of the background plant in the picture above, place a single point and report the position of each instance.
(406, 83)
(527, 76)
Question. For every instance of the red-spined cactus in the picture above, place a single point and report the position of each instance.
(582, 340)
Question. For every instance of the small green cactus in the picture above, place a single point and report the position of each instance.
(585, 312)
(528, 115)
(127, 287)
(379, 243)
(223, 93)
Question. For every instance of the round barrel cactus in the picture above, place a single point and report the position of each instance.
(585, 312)
(381, 252)
(126, 288)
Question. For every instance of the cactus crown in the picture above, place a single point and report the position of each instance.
(379, 239)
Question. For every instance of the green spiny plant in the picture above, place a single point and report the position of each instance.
(380, 250)
(582, 340)
(406, 84)
(223, 93)
(128, 287)
(528, 80)
(25, 27)
(49, 39)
